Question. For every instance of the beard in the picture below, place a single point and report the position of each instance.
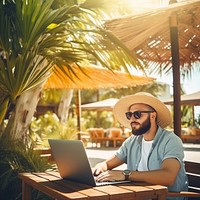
(145, 126)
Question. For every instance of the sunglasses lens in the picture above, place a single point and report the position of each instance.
(128, 115)
(137, 114)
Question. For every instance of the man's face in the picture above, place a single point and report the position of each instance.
(143, 124)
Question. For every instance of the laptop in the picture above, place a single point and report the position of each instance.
(72, 162)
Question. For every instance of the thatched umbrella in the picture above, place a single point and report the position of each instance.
(165, 38)
(92, 77)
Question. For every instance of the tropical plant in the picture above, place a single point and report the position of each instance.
(14, 159)
(48, 126)
(34, 38)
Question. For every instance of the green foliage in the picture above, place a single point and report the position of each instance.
(48, 126)
(92, 119)
(49, 96)
(197, 121)
(186, 118)
(16, 157)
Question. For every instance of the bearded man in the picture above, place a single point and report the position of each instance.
(152, 153)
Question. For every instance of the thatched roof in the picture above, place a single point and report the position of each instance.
(93, 77)
(148, 34)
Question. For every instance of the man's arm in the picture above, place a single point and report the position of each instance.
(164, 176)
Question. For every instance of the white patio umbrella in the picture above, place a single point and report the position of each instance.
(187, 99)
(192, 99)
(104, 105)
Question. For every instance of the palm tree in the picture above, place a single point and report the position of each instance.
(35, 36)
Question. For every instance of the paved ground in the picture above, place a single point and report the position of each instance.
(95, 155)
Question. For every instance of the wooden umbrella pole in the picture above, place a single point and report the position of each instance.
(78, 112)
(176, 74)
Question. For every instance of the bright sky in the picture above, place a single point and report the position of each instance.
(190, 85)
(193, 84)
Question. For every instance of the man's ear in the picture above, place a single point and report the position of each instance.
(153, 115)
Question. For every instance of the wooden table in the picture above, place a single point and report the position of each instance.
(52, 185)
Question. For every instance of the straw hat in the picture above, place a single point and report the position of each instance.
(164, 117)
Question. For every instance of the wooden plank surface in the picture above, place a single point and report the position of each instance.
(74, 186)
(53, 185)
(51, 188)
(107, 191)
(116, 192)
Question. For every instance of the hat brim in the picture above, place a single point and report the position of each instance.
(164, 117)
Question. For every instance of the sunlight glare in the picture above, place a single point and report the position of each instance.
(143, 5)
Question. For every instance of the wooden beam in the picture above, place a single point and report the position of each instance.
(176, 74)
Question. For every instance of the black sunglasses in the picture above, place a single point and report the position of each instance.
(136, 114)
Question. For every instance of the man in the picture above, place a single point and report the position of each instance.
(152, 154)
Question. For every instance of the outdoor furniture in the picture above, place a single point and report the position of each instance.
(191, 138)
(84, 136)
(191, 135)
(105, 137)
(45, 153)
(194, 131)
(52, 185)
(115, 136)
(193, 173)
(97, 135)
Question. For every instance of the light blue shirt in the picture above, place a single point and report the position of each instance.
(165, 145)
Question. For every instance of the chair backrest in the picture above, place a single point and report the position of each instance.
(96, 132)
(194, 131)
(115, 133)
(193, 173)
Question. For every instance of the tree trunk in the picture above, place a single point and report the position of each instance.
(63, 108)
(20, 119)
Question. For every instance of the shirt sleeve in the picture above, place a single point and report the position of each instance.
(174, 148)
(123, 150)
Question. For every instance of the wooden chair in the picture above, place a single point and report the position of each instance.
(193, 173)
(115, 136)
(97, 135)
(45, 153)
(191, 135)
(194, 131)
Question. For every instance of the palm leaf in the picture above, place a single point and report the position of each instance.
(35, 38)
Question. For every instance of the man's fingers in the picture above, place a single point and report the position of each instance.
(97, 172)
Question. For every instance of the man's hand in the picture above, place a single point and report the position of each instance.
(108, 164)
(110, 175)
(99, 168)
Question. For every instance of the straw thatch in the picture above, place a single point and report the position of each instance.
(93, 77)
(148, 34)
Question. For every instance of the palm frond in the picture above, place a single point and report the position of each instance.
(36, 37)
